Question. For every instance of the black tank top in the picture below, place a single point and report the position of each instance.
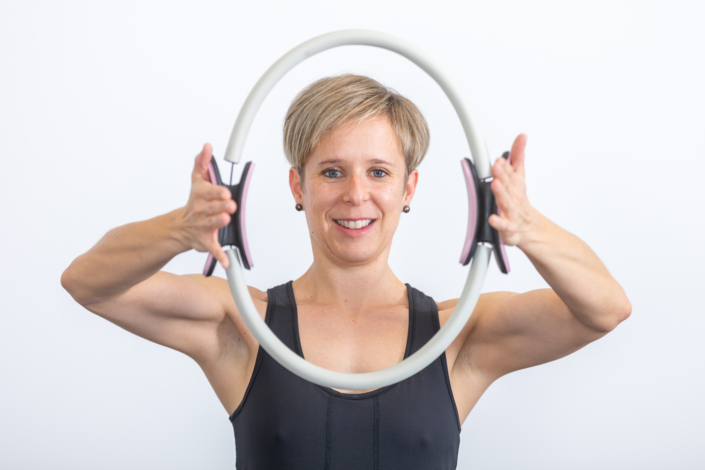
(287, 423)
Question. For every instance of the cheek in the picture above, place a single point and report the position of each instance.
(391, 197)
(320, 198)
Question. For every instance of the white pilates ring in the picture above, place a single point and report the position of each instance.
(473, 285)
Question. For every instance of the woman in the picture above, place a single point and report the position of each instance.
(354, 146)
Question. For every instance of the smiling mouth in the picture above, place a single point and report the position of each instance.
(354, 224)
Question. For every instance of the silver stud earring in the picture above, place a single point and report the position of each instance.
(299, 207)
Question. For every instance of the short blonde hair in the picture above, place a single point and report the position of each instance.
(330, 102)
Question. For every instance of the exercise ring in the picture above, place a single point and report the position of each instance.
(478, 195)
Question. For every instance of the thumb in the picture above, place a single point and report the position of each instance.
(200, 166)
(217, 251)
(518, 153)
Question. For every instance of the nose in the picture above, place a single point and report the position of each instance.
(356, 191)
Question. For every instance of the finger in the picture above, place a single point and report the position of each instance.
(222, 257)
(217, 221)
(200, 167)
(504, 186)
(499, 223)
(224, 260)
(219, 207)
(210, 192)
(505, 203)
(217, 251)
(517, 153)
(502, 171)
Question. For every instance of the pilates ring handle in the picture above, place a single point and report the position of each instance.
(473, 285)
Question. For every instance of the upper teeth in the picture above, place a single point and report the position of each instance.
(354, 224)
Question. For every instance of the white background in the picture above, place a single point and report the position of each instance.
(104, 105)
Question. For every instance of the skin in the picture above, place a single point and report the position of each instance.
(353, 311)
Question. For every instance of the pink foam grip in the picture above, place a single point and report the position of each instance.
(211, 172)
(241, 214)
(472, 210)
(207, 267)
(503, 254)
(502, 251)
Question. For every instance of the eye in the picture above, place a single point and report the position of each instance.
(377, 173)
(331, 173)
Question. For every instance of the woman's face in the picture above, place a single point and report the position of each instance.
(355, 176)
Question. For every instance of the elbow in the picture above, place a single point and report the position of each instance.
(68, 282)
(626, 309)
(614, 315)
(606, 317)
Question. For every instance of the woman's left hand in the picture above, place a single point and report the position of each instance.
(509, 188)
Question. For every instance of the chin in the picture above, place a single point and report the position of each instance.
(357, 257)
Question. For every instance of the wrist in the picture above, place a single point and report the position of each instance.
(537, 227)
(175, 229)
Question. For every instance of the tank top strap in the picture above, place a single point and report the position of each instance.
(423, 318)
(280, 318)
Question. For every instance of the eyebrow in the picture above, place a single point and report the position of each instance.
(338, 160)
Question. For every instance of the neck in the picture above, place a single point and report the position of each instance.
(362, 287)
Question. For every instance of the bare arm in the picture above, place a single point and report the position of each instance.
(514, 331)
(123, 258)
(120, 278)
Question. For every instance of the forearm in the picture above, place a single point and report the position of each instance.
(124, 257)
(576, 274)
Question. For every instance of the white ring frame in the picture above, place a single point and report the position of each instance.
(473, 285)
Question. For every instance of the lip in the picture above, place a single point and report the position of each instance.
(355, 232)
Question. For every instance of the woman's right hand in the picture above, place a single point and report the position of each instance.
(208, 209)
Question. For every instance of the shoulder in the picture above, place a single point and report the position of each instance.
(233, 321)
(220, 289)
(485, 304)
(446, 305)
(256, 294)
(484, 308)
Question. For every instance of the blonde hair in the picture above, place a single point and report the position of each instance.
(330, 102)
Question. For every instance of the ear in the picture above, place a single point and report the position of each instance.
(411, 186)
(295, 185)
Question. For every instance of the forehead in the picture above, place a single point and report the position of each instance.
(371, 140)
